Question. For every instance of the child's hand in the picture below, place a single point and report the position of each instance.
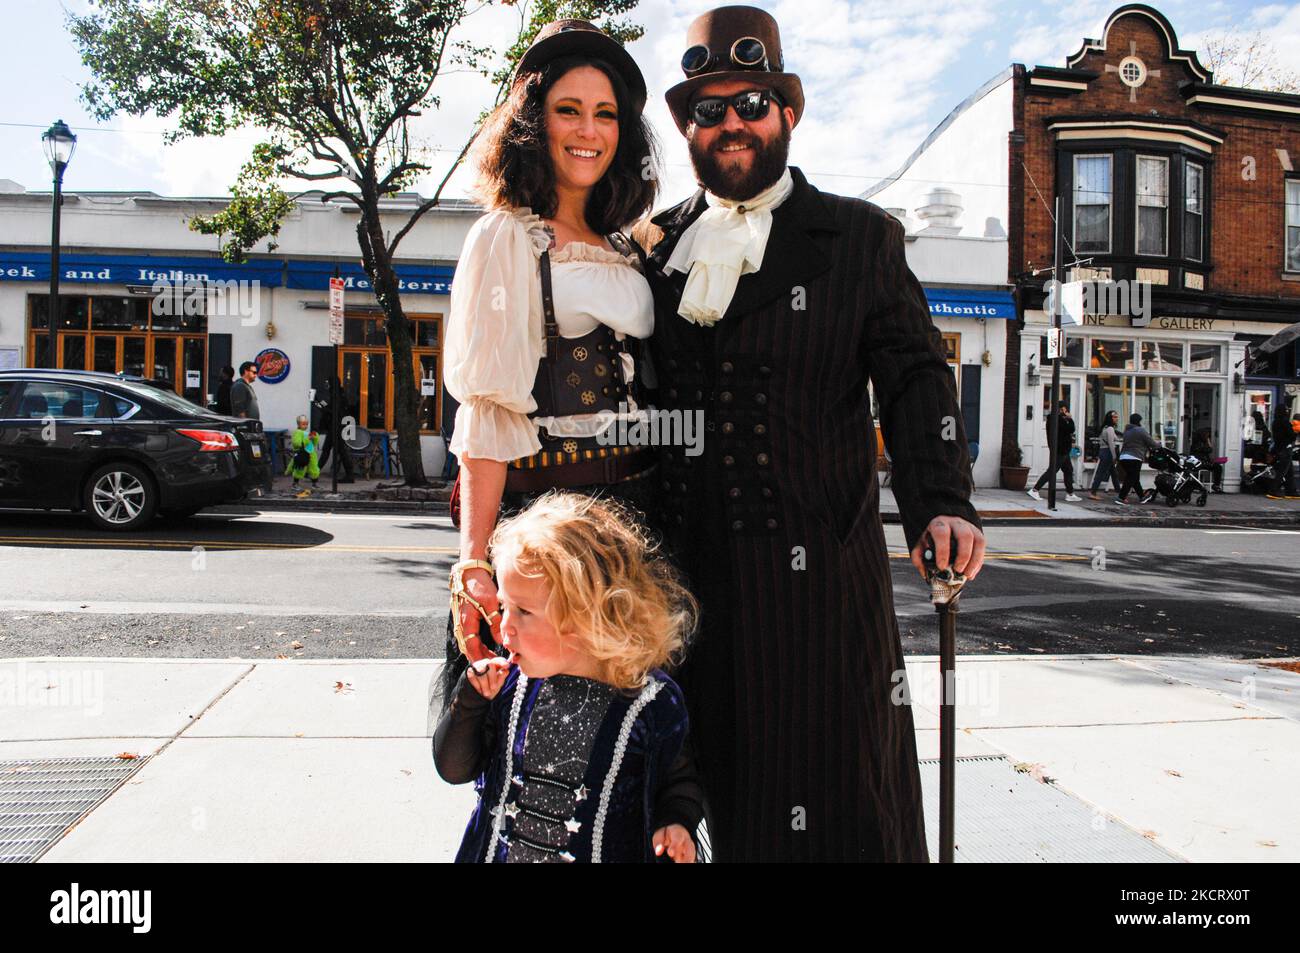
(676, 840)
(488, 675)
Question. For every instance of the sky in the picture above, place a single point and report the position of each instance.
(878, 76)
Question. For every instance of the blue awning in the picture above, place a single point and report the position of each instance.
(133, 269)
(412, 279)
(970, 303)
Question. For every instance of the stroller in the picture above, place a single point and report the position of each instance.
(1177, 477)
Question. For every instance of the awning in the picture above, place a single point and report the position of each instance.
(970, 303)
(133, 270)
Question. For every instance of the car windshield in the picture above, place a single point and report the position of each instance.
(165, 397)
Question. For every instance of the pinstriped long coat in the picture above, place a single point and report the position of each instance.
(791, 681)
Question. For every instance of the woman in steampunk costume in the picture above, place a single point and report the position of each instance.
(548, 310)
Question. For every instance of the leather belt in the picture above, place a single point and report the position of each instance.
(600, 471)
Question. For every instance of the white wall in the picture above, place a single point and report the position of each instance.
(967, 153)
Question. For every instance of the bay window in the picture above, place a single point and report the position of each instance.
(1152, 205)
(1092, 203)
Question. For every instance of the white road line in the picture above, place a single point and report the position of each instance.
(282, 516)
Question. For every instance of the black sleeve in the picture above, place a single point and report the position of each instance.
(465, 735)
(680, 798)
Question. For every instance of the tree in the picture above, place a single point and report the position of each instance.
(335, 85)
(1248, 61)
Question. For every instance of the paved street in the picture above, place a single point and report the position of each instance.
(370, 586)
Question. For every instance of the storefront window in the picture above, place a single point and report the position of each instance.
(1105, 392)
(1112, 355)
(1073, 353)
(1162, 355)
(119, 314)
(1206, 359)
(1156, 399)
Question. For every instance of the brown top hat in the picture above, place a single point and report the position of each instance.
(733, 43)
(578, 37)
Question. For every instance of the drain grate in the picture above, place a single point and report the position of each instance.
(40, 800)
(1005, 816)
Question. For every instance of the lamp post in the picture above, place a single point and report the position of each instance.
(59, 143)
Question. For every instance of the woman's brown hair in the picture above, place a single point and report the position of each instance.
(514, 163)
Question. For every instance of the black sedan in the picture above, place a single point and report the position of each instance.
(119, 449)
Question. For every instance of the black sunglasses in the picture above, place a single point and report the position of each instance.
(750, 106)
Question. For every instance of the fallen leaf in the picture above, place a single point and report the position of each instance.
(343, 688)
(127, 756)
(282, 656)
(1172, 773)
(297, 734)
(405, 771)
(295, 644)
(1150, 835)
(1266, 843)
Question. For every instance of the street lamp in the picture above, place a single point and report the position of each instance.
(59, 143)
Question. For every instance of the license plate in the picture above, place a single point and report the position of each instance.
(257, 449)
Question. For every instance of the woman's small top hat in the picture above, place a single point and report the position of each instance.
(578, 37)
(733, 43)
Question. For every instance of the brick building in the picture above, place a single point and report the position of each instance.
(1180, 204)
(1181, 192)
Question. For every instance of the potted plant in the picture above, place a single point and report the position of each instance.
(1014, 476)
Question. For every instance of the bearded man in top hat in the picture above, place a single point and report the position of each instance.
(776, 304)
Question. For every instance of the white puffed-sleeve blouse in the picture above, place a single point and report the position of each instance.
(496, 336)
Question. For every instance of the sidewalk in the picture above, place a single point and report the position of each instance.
(1004, 506)
(1062, 758)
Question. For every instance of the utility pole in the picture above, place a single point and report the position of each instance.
(1057, 345)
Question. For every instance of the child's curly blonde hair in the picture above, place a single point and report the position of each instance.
(608, 583)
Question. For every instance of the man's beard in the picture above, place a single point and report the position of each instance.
(769, 162)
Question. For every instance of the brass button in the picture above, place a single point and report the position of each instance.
(601, 370)
(588, 397)
(771, 524)
(682, 487)
(738, 525)
(727, 367)
(728, 461)
(763, 459)
(579, 353)
(725, 397)
(760, 399)
(711, 426)
(604, 391)
(728, 427)
(765, 371)
(573, 380)
(570, 446)
(734, 493)
(760, 429)
(767, 492)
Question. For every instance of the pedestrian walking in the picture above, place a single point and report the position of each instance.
(243, 399)
(1107, 455)
(1065, 434)
(1283, 468)
(1133, 451)
(223, 391)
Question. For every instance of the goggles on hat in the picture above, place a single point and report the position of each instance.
(746, 53)
(751, 105)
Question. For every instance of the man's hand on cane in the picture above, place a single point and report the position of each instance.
(957, 542)
(480, 586)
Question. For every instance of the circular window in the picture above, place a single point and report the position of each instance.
(1132, 71)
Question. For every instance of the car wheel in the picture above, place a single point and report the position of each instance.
(120, 496)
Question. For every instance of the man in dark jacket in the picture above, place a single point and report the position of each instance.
(1283, 437)
(776, 304)
(1064, 460)
(223, 391)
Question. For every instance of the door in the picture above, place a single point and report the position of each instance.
(1072, 394)
(55, 435)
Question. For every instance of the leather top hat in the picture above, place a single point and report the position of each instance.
(733, 43)
(568, 37)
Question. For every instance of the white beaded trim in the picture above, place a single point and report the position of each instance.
(500, 813)
(620, 748)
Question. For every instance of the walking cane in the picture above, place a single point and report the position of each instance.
(945, 590)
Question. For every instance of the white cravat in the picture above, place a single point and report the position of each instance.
(725, 242)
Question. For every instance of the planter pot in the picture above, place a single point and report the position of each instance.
(1015, 478)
